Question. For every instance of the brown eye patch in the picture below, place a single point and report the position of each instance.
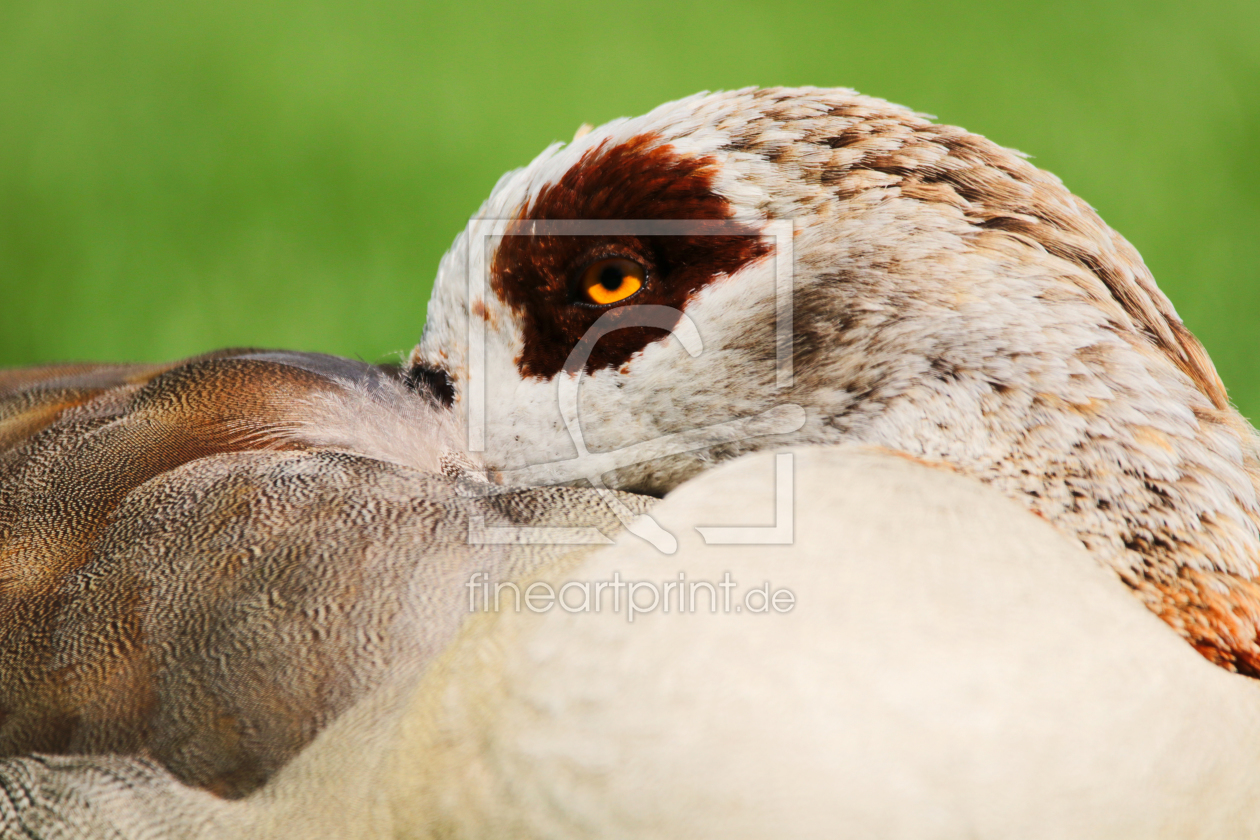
(640, 179)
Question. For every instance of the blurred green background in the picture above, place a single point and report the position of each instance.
(180, 176)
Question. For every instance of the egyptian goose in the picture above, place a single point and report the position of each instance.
(240, 592)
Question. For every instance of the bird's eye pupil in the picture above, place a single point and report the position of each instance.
(610, 278)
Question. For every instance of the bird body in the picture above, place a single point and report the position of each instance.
(953, 667)
(194, 573)
(238, 589)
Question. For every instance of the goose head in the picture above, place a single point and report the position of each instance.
(780, 267)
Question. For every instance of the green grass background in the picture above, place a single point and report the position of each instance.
(180, 176)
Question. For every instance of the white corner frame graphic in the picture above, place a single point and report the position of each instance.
(781, 532)
(780, 419)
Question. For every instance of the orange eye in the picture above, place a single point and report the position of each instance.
(611, 280)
